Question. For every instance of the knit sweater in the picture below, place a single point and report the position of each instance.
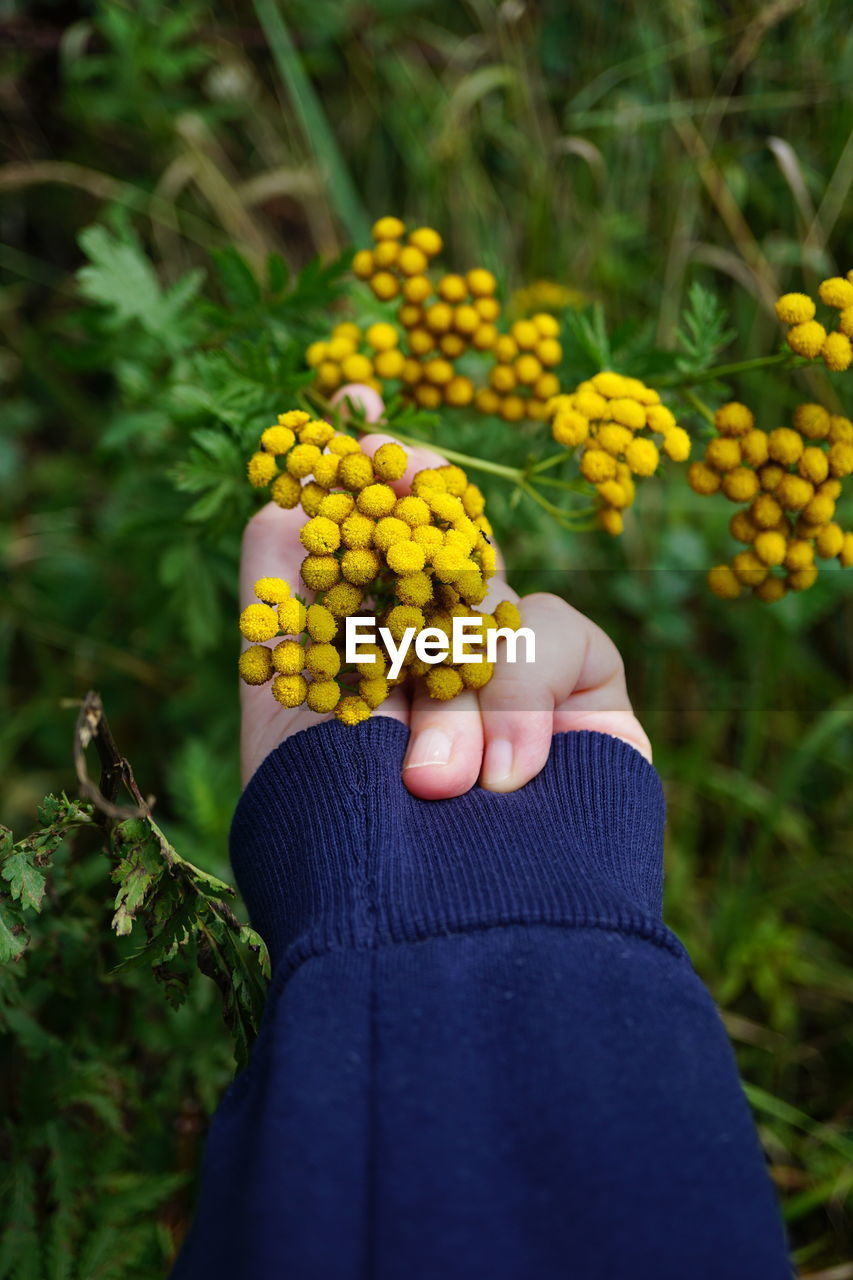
(483, 1053)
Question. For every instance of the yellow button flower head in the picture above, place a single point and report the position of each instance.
(642, 457)
(373, 690)
(836, 292)
(837, 352)
(357, 531)
(286, 491)
(320, 536)
(255, 664)
(321, 625)
(355, 471)
(389, 531)
(337, 506)
(343, 599)
(322, 660)
(290, 691)
(272, 590)
(723, 583)
(351, 710)
(301, 460)
(795, 308)
(405, 557)
(277, 439)
(323, 695)
(389, 462)
(807, 339)
(261, 469)
(734, 419)
(360, 565)
(320, 572)
(258, 622)
(288, 657)
(376, 500)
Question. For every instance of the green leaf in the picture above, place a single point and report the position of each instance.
(26, 883)
(13, 936)
(236, 280)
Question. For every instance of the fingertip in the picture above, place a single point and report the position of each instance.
(371, 403)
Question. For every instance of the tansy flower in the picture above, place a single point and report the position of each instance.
(277, 439)
(286, 491)
(795, 308)
(443, 683)
(261, 468)
(807, 339)
(291, 617)
(258, 622)
(288, 657)
(271, 590)
(255, 664)
(320, 536)
(352, 710)
(323, 695)
(322, 660)
(290, 691)
(320, 623)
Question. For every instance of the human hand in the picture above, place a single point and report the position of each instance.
(501, 734)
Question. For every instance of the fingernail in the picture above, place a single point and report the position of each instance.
(497, 764)
(432, 746)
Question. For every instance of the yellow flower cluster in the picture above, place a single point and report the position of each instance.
(440, 319)
(611, 418)
(807, 336)
(545, 295)
(788, 482)
(421, 560)
(521, 382)
(353, 354)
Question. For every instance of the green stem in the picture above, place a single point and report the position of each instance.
(465, 459)
(699, 405)
(725, 370)
(547, 463)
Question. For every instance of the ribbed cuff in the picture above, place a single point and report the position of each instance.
(330, 849)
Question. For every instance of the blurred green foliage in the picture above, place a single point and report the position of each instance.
(159, 239)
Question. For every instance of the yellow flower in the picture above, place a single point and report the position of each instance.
(765, 511)
(754, 447)
(660, 419)
(342, 444)
(258, 622)
(383, 284)
(271, 590)
(770, 475)
(676, 444)
(343, 599)
(820, 509)
(405, 557)
(301, 460)
(418, 287)
(813, 465)
(362, 264)
(286, 491)
(389, 531)
(352, 710)
(507, 614)
(376, 500)
(320, 572)
(429, 537)
(323, 661)
(596, 465)
(802, 579)
(326, 470)
(481, 283)
(321, 624)
(355, 471)
(799, 555)
(627, 412)
(374, 665)
(748, 568)
(323, 695)
(413, 588)
(443, 683)
(740, 485)
(807, 339)
(357, 531)
(840, 459)
(373, 690)
(473, 501)
(288, 657)
(291, 617)
(389, 364)
(733, 419)
(613, 494)
(255, 664)
(390, 462)
(360, 565)
(588, 401)
(403, 616)
(845, 321)
(570, 428)
(836, 292)
(312, 496)
(829, 541)
(741, 527)
(845, 555)
(837, 352)
(771, 589)
(337, 506)
(320, 536)
(428, 241)
(609, 384)
(642, 457)
(261, 469)
(611, 521)
(290, 691)
(723, 454)
(770, 547)
(702, 478)
(277, 439)
(795, 308)
(444, 506)
(723, 583)
(459, 392)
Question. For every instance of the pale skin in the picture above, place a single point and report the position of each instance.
(499, 737)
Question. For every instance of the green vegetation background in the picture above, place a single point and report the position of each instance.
(626, 151)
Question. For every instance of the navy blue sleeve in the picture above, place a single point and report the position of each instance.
(483, 1053)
